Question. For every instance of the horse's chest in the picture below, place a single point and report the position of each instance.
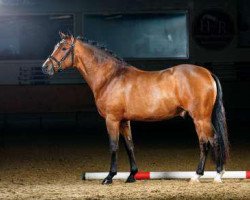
(110, 105)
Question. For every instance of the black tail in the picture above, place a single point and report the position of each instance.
(221, 146)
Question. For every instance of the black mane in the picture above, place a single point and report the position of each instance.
(101, 47)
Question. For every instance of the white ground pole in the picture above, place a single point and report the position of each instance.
(167, 175)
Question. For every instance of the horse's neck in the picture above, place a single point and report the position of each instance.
(96, 73)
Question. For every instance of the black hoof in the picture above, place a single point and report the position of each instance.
(130, 179)
(107, 181)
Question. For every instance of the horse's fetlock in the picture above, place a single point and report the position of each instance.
(113, 173)
(134, 170)
(200, 172)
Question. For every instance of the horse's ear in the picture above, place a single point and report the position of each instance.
(72, 39)
(62, 35)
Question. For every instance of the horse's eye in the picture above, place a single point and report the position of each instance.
(64, 49)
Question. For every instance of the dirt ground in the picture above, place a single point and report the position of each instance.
(54, 171)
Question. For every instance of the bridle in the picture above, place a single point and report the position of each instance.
(59, 63)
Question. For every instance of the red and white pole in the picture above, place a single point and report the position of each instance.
(167, 175)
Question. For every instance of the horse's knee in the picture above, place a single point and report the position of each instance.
(113, 146)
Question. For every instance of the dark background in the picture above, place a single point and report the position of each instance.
(38, 110)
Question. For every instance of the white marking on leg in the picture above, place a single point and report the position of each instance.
(195, 178)
(217, 178)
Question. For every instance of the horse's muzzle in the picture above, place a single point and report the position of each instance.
(48, 70)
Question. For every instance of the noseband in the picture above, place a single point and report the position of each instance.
(59, 63)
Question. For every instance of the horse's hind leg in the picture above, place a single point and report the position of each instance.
(125, 130)
(205, 134)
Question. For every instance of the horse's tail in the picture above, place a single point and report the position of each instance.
(221, 144)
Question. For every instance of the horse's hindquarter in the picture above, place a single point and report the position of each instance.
(196, 89)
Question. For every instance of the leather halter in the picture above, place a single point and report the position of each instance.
(59, 63)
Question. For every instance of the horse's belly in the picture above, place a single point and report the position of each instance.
(151, 111)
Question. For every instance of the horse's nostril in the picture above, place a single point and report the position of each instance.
(44, 68)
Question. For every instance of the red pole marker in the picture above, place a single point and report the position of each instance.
(142, 175)
(167, 175)
(247, 174)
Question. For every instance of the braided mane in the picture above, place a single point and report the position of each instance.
(101, 47)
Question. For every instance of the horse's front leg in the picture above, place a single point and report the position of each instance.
(113, 131)
(126, 133)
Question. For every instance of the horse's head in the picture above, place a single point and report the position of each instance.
(62, 57)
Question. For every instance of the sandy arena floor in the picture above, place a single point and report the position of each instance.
(53, 172)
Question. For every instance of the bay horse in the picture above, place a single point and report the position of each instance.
(123, 93)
